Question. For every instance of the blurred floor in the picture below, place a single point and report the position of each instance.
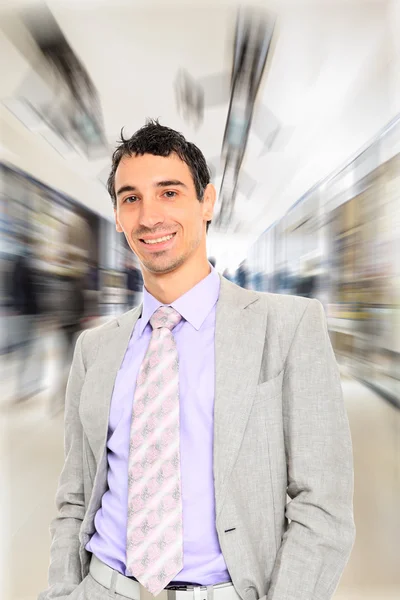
(32, 455)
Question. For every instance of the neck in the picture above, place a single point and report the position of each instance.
(168, 287)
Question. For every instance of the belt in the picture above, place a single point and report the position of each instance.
(125, 586)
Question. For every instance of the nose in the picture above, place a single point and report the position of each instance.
(150, 214)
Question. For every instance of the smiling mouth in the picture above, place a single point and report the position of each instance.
(161, 240)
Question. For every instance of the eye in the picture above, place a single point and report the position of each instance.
(129, 198)
(170, 194)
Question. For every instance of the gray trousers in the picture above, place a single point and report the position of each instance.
(89, 589)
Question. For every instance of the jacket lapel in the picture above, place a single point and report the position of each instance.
(101, 379)
(239, 344)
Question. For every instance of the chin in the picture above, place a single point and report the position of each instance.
(162, 265)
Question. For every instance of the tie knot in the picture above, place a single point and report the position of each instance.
(165, 316)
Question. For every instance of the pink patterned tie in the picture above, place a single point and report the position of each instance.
(154, 551)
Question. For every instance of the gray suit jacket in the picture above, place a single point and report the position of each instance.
(282, 449)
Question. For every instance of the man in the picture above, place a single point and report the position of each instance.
(190, 418)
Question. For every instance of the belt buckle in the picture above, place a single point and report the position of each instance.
(172, 592)
(195, 593)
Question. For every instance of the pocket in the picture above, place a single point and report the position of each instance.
(79, 591)
(95, 590)
(269, 389)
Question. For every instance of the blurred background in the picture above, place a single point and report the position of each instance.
(296, 106)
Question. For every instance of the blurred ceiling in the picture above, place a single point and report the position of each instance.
(327, 83)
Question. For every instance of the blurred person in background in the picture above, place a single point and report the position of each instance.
(283, 281)
(71, 320)
(134, 284)
(73, 311)
(306, 286)
(307, 281)
(92, 289)
(258, 281)
(227, 275)
(24, 300)
(148, 390)
(242, 275)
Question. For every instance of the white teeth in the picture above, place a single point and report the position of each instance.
(163, 239)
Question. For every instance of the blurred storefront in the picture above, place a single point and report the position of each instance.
(65, 240)
(340, 243)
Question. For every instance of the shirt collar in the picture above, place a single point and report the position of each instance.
(194, 306)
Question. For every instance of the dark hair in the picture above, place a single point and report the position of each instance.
(158, 140)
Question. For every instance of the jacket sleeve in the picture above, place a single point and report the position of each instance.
(317, 543)
(65, 567)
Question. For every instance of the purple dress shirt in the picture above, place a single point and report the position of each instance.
(195, 338)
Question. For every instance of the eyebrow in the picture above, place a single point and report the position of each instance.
(126, 188)
(159, 184)
(169, 182)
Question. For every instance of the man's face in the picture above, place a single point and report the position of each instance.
(158, 210)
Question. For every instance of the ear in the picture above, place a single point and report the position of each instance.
(118, 226)
(209, 198)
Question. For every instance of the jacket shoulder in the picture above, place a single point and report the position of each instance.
(90, 340)
(285, 304)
